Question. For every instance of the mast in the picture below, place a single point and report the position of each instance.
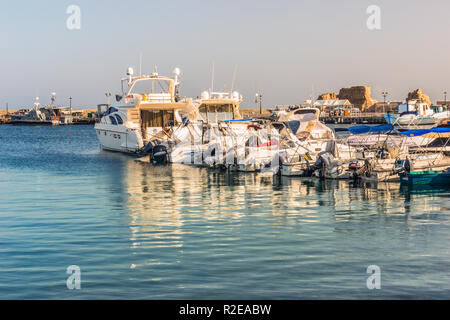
(233, 79)
(36, 103)
(212, 79)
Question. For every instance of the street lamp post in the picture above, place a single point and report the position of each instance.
(445, 98)
(384, 94)
(260, 103)
(70, 108)
(258, 95)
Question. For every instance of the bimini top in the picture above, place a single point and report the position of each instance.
(430, 133)
(374, 129)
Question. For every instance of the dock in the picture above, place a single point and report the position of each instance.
(4, 118)
(325, 117)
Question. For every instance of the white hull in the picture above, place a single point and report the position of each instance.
(418, 120)
(118, 138)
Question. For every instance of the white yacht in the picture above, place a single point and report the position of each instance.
(149, 110)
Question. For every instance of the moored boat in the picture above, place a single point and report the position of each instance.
(433, 156)
(414, 113)
(149, 112)
(431, 177)
(37, 116)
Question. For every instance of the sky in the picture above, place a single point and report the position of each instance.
(285, 50)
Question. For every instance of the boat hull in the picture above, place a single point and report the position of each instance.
(426, 178)
(118, 138)
(34, 123)
(411, 120)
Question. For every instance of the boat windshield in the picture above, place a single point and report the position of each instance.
(216, 112)
(304, 115)
(148, 86)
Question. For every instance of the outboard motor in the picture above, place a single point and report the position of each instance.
(323, 161)
(403, 165)
(147, 149)
(354, 167)
(159, 155)
(327, 166)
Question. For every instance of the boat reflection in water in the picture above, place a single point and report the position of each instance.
(162, 199)
(199, 233)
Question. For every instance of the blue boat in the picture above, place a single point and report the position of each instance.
(432, 177)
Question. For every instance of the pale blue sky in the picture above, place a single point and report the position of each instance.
(283, 48)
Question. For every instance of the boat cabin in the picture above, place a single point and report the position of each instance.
(151, 103)
(219, 106)
(413, 106)
(308, 124)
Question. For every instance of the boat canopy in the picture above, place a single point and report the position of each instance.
(431, 133)
(367, 129)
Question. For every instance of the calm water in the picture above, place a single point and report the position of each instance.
(178, 232)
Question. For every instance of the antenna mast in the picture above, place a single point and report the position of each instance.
(234, 78)
(212, 79)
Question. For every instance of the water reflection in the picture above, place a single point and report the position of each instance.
(161, 199)
(177, 214)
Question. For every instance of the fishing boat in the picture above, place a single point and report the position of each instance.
(146, 113)
(414, 113)
(432, 177)
(379, 153)
(433, 156)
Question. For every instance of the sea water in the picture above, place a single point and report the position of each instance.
(137, 231)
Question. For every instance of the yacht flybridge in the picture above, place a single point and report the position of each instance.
(219, 106)
(149, 110)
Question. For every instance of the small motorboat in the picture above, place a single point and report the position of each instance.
(441, 177)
